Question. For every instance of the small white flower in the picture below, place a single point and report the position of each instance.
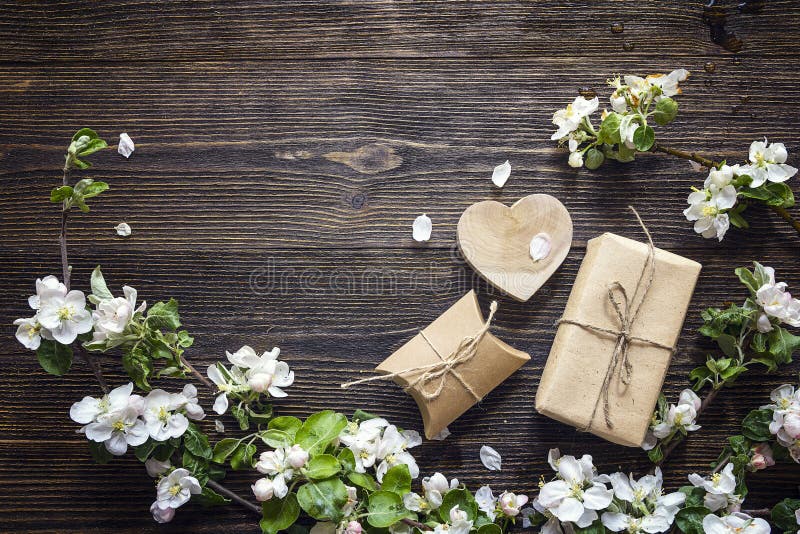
(768, 163)
(126, 146)
(275, 464)
(719, 179)
(156, 468)
(736, 523)
(575, 160)
(112, 420)
(540, 246)
(501, 173)
(296, 456)
(161, 418)
(219, 426)
(29, 332)
(487, 503)
(112, 316)
(490, 458)
(264, 373)
(777, 302)
(569, 119)
(459, 522)
(175, 489)
(511, 503)
(719, 489)
(48, 284)
(575, 496)
(187, 401)
(434, 488)
(669, 83)
(707, 212)
(123, 229)
(393, 450)
(422, 228)
(64, 316)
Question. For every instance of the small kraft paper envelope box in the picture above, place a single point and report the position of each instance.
(616, 338)
(448, 392)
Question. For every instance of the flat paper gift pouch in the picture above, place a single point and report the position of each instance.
(448, 392)
(616, 337)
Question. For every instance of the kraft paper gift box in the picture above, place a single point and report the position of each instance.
(583, 383)
(466, 383)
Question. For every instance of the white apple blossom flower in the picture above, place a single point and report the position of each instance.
(511, 504)
(721, 178)
(575, 159)
(768, 163)
(64, 316)
(459, 523)
(761, 457)
(575, 496)
(112, 420)
(161, 417)
(227, 381)
(187, 401)
(490, 458)
(126, 146)
(784, 399)
(156, 468)
(706, 209)
(682, 415)
(776, 302)
(569, 119)
(735, 523)
(264, 373)
(393, 450)
(434, 489)
(263, 489)
(48, 284)
(363, 439)
(123, 229)
(276, 464)
(296, 456)
(175, 489)
(29, 332)
(669, 82)
(652, 511)
(501, 173)
(719, 489)
(421, 228)
(112, 316)
(487, 502)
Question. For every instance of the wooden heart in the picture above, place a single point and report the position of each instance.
(495, 240)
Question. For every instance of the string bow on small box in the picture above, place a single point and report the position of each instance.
(439, 371)
(627, 310)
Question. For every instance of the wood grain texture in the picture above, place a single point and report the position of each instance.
(283, 150)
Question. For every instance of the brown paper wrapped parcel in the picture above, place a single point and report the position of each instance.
(589, 382)
(449, 392)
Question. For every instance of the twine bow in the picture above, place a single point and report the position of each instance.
(466, 350)
(627, 310)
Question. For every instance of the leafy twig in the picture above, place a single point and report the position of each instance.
(222, 490)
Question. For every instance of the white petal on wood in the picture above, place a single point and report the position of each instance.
(540, 246)
(422, 228)
(490, 458)
(442, 435)
(126, 146)
(501, 174)
(123, 229)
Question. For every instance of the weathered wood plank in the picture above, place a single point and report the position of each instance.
(245, 29)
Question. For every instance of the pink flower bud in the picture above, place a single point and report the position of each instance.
(162, 516)
(296, 456)
(263, 489)
(353, 527)
(762, 457)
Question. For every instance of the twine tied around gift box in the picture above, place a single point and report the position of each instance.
(466, 350)
(627, 311)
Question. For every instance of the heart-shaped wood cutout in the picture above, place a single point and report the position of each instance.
(496, 241)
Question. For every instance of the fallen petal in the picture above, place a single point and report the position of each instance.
(442, 435)
(490, 458)
(501, 174)
(540, 246)
(123, 229)
(422, 228)
(126, 146)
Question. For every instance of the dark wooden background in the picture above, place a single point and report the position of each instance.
(283, 150)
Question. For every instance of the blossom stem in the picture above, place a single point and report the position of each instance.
(222, 490)
(416, 524)
(784, 214)
(205, 381)
(95, 366)
(675, 441)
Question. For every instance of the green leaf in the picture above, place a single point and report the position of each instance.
(88, 132)
(694, 496)
(144, 450)
(276, 438)
(490, 528)
(747, 278)
(690, 519)
(783, 515)
(359, 416)
(655, 454)
(99, 453)
(595, 528)
(196, 465)
(782, 344)
(609, 129)
(197, 443)
(347, 459)
(759, 342)
(164, 315)
(700, 375)
(771, 193)
(60, 194)
(209, 497)
(319, 430)
(241, 416)
(593, 159)
(755, 425)
(363, 480)
(643, 138)
(223, 449)
(666, 110)
(385, 509)
(138, 366)
(98, 284)
(727, 344)
(323, 500)
(397, 480)
(730, 374)
(242, 457)
(461, 498)
(279, 514)
(54, 357)
(184, 339)
(92, 146)
(94, 189)
(323, 466)
(736, 219)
